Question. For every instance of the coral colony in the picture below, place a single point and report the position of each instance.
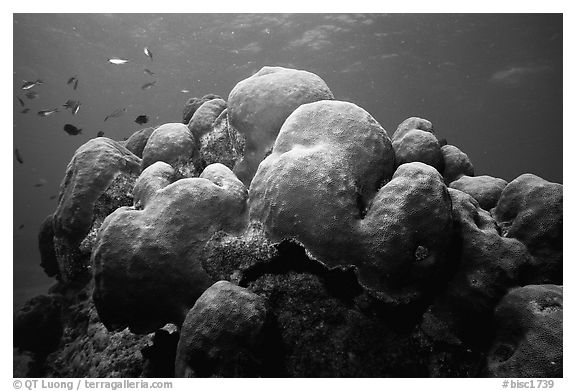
(285, 233)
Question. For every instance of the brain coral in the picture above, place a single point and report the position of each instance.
(258, 106)
(322, 184)
(203, 119)
(98, 179)
(174, 144)
(530, 209)
(485, 189)
(221, 332)
(456, 163)
(414, 141)
(412, 123)
(137, 141)
(529, 333)
(92, 168)
(146, 267)
(152, 179)
(193, 104)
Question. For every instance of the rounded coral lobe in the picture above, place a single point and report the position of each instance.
(259, 105)
(322, 184)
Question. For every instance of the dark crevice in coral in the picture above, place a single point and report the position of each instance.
(361, 206)
(271, 350)
(48, 259)
(340, 282)
(161, 354)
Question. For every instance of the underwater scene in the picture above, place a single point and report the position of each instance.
(287, 195)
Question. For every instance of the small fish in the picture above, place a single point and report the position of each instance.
(148, 53)
(148, 71)
(73, 80)
(185, 91)
(69, 104)
(46, 113)
(32, 95)
(21, 102)
(21, 226)
(116, 113)
(117, 61)
(72, 130)
(141, 119)
(24, 111)
(18, 156)
(53, 197)
(30, 84)
(149, 85)
(100, 134)
(40, 183)
(442, 142)
(73, 105)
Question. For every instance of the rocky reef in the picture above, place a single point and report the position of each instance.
(285, 233)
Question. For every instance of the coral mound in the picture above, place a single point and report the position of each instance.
(414, 141)
(529, 337)
(530, 209)
(322, 185)
(485, 189)
(259, 105)
(174, 144)
(146, 266)
(283, 233)
(221, 333)
(98, 179)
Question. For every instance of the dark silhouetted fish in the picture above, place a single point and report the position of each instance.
(148, 71)
(442, 142)
(40, 183)
(74, 81)
(52, 197)
(24, 111)
(117, 61)
(72, 130)
(46, 113)
(73, 105)
(116, 113)
(100, 134)
(149, 85)
(69, 104)
(141, 119)
(32, 95)
(21, 226)
(30, 84)
(148, 53)
(21, 102)
(18, 156)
